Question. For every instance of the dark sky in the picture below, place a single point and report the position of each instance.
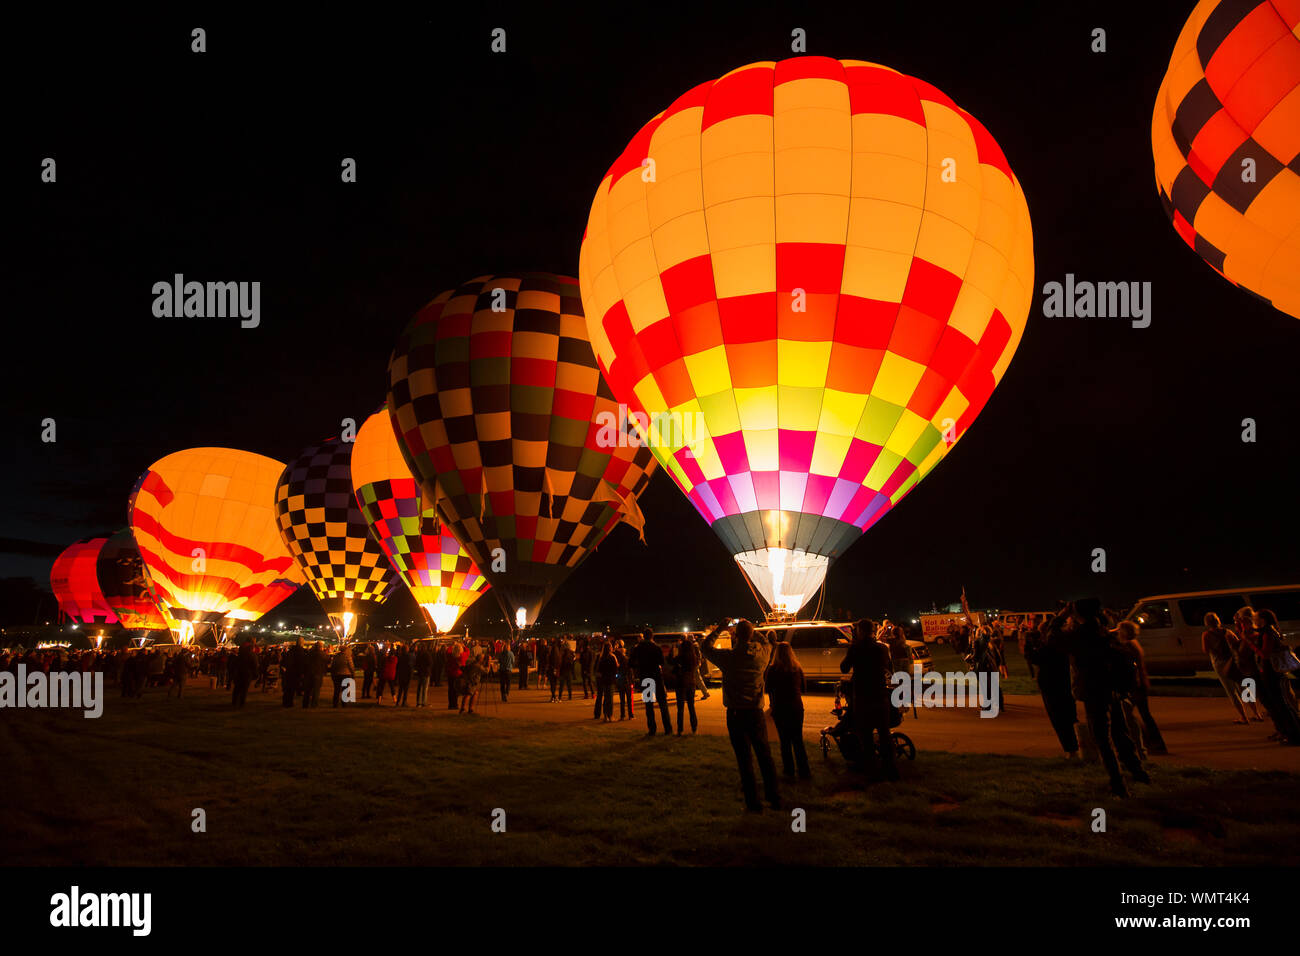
(225, 165)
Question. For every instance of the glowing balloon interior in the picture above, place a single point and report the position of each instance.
(498, 406)
(828, 266)
(204, 521)
(442, 577)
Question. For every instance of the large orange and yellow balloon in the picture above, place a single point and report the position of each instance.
(443, 578)
(815, 272)
(204, 521)
(1225, 135)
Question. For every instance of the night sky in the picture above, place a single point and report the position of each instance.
(225, 166)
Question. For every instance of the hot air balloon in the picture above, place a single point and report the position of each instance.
(826, 263)
(76, 586)
(503, 417)
(204, 521)
(441, 575)
(316, 507)
(125, 586)
(1225, 135)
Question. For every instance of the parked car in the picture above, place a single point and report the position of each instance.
(820, 646)
(1171, 624)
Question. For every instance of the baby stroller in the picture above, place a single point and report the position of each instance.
(271, 678)
(846, 738)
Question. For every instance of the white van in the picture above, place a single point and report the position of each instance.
(1172, 624)
(820, 646)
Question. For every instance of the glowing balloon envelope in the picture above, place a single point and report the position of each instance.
(1225, 136)
(502, 415)
(815, 272)
(125, 585)
(76, 585)
(204, 521)
(325, 531)
(443, 579)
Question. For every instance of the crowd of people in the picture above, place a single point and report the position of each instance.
(1082, 654)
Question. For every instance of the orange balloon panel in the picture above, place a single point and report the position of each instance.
(204, 521)
(1225, 136)
(810, 276)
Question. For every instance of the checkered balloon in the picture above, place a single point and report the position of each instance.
(1225, 135)
(827, 266)
(503, 416)
(442, 577)
(324, 530)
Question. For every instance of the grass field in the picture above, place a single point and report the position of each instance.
(371, 785)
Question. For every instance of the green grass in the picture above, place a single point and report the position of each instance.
(376, 786)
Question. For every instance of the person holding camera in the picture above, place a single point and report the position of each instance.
(742, 695)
